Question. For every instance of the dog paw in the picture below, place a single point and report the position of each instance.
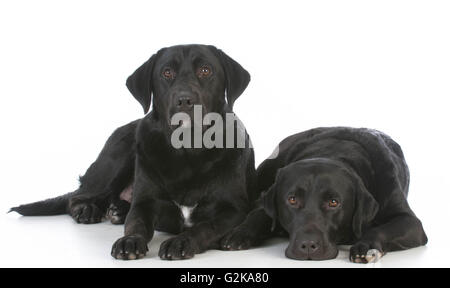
(117, 214)
(364, 253)
(238, 239)
(178, 248)
(86, 213)
(129, 248)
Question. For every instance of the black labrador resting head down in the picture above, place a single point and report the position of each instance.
(199, 194)
(332, 186)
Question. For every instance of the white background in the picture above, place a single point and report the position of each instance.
(63, 66)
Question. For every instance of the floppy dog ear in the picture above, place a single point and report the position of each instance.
(140, 83)
(237, 78)
(269, 203)
(366, 208)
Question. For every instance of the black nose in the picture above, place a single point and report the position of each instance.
(184, 103)
(309, 247)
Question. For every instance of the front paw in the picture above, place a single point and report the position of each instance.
(364, 253)
(178, 248)
(238, 239)
(129, 248)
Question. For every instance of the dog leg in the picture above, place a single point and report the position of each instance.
(402, 232)
(255, 229)
(201, 237)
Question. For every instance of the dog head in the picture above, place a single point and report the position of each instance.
(321, 204)
(178, 77)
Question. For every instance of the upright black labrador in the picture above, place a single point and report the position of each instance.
(331, 186)
(198, 193)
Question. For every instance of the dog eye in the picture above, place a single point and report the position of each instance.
(292, 200)
(203, 71)
(333, 203)
(168, 73)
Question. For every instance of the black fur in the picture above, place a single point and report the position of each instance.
(218, 182)
(363, 170)
(101, 185)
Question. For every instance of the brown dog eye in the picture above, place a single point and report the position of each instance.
(333, 203)
(203, 72)
(168, 73)
(292, 200)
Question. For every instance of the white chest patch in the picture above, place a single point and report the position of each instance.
(186, 211)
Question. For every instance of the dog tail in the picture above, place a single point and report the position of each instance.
(53, 206)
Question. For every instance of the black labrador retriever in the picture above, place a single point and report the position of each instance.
(198, 193)
(332, 186)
